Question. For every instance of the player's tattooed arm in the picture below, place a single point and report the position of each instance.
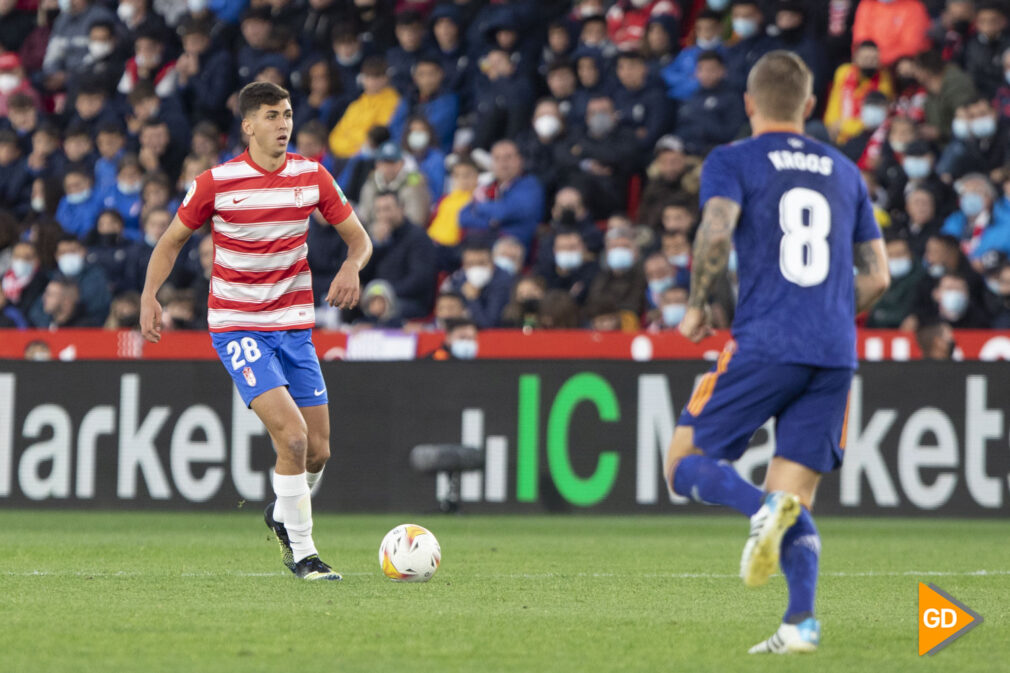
(712, 246)
(872, 275)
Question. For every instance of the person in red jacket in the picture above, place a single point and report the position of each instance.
(899, 27)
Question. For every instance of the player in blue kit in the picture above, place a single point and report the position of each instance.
(800, 218)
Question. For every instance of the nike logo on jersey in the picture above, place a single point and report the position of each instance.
(239, 200)
(317, 393)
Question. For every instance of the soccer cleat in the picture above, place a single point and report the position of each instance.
(791, 638)
(287, 556)
(312, 568)
(767, 526)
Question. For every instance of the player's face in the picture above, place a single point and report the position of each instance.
(270, 127)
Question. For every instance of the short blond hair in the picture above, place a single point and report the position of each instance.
(780, 84)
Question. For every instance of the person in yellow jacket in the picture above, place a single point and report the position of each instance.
(444, 228)
(374, 107)
(843, 114)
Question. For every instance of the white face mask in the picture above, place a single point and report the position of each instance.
(79, 197)
(479, 276)
(71, 263)
(506, 264)
(129, 187)
(126, 12)
(196, 6)
(710, 43)
(954, 303)
(680, 261)
(99, 50)
(620, 259)
(463, 349)
(961, 129)
(418, 140)
(547, 126)
(983, 127)
(900, 266)
(22, 268)
(64, 6)
(8, 82)
(568, 259)
(38, 204)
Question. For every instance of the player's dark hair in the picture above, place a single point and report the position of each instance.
(257, 94)
(780, 85)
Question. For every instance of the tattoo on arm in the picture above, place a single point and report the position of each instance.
(712, 247)
(866, 257)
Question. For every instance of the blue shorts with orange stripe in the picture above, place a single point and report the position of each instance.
(809, 405)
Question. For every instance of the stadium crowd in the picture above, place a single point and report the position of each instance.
(517, 163)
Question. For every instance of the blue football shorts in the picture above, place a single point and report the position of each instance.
(262, 361)
(809, 405)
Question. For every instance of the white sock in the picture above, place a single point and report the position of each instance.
(313, 477)
(294, 510)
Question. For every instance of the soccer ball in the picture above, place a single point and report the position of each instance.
(409, 553)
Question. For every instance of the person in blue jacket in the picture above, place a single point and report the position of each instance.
(78, 209)
(714, 113)
(484, 286)
(419, 142)
(981, 222)
(679, 76)
(516, 203)
(430, 98)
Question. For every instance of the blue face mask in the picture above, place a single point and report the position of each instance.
(972, 204)
(954, 302)
(673, 314)
(506, 264)
(620, 259)
(568, 259)
(680, 261)
(79, 197)
(657, 286)
(916, 168)
(718, 5)
(745, 28)
(873, 116)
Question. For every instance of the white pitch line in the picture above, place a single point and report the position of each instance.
(680, 576)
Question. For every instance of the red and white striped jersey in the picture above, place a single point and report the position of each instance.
(259, 223)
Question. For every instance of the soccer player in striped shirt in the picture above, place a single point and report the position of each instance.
(260, 309)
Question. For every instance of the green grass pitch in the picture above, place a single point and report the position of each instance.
(144, 593)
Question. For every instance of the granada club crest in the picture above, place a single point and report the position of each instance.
(299, 198)
(250, 378)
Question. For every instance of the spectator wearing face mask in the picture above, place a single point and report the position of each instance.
(979, 144)
(13, 82)
(149, 64)
(404, 257)
(544, 145)
(461, 341)
(907, 274)
(679, 76)
(853, 82)
(873, 115)
(573, 270)
(952, 303)
(568, 213)
(523, 310)
(79, 208)
(900, 27)
(982, 222)
(485, 287)
(602, 158)
(947, 88)
(24, 282)
(984, 50)
(124, 196)
(622, 279)
(68, 41)
(753, 41)
(670, 310)
(421, 145)
(944, 257)
(509, 255)
(89, 279)
(918, 171)
(395, 173)
(660, 275)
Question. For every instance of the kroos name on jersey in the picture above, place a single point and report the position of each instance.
(784, 160)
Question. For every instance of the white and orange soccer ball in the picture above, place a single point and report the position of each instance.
(409, 553)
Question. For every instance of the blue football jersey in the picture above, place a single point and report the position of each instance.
(802, 207)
